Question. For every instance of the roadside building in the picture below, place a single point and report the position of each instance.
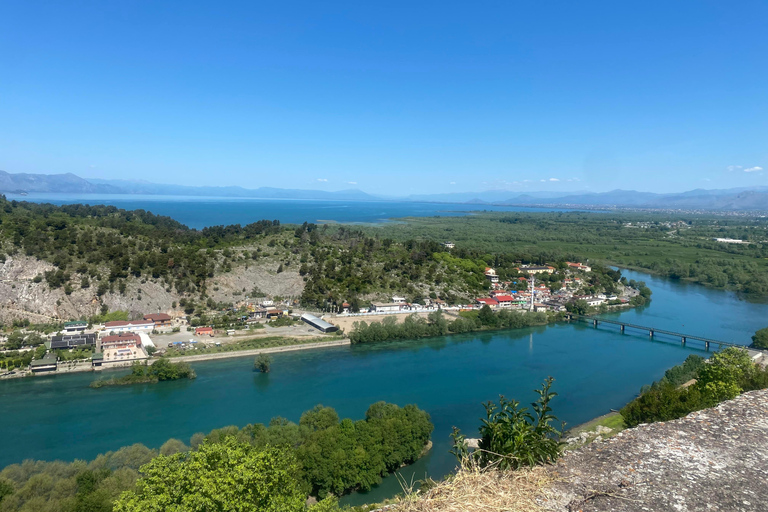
(46, 364)
(318, 323)
(491, 275)
(449, 245)
(487, 301)
(75, 327)
(274, 313)
(579, 266)
(397, 298)
(204, 331)
(505, 301)
(257, 314)
(537, 269)
(122, 339)
(159, 319)
(119, 326)
(387, 307)
(439, 303)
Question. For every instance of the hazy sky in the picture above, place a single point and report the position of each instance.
(389, 97)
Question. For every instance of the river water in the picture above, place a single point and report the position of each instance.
(60, 417)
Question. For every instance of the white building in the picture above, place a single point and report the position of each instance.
(386, 307)
(123, 326)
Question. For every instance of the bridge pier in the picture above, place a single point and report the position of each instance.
(706, 345)
(650, 333)
(683, 340)
(622, 328)
(595, 322)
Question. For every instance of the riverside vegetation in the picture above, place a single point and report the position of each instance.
(141, 373)
(414, 326)
(279, 465)
(727, 374)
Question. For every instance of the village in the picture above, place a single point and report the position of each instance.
(121, 343)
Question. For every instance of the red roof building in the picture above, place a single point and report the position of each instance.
(202, 331)
(487, 302)
(159, 319)
(121, 340)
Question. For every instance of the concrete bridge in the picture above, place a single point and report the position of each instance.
(652, 331)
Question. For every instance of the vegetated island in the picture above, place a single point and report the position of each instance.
(161, 369)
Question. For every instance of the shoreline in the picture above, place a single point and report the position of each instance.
(256, 351)
(198, 357)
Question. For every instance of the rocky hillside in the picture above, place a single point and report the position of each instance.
(23, 298)
(715, 459)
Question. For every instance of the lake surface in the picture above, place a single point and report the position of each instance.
(60, 417)
(200, 212)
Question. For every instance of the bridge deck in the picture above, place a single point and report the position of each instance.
(657, 331)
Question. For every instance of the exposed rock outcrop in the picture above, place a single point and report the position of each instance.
(715, 459)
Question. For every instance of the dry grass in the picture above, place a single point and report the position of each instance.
(473, 489)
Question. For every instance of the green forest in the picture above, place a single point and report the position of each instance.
(281, 464)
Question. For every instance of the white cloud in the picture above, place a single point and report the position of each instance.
(543, 180)
(352, 182)
(554, 179)
(753, 169)
(321, 179)
(452, 183)
(732, 168)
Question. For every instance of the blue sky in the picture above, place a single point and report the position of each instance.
(389, 97)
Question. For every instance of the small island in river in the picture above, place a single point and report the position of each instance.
(162, 369)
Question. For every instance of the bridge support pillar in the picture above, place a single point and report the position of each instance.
(622, 328)
(706, 345)
(683, 340)
(650, 333)
(594, 322)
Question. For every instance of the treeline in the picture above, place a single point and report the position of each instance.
(414, 326)
(280, 465)
(725, 376)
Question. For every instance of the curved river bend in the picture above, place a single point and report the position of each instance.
(60, 417)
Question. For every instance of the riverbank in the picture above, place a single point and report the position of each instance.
(254, 352)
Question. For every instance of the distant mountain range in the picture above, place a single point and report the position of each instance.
(754, 198)
(72, 184)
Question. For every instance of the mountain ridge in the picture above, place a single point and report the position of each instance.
(736, 199)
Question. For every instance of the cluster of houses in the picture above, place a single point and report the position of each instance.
(116, 343)
(538, 298)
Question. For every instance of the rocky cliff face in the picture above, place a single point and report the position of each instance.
(715, 459)
(22, 298)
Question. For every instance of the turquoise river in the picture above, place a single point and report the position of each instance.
(60, 417)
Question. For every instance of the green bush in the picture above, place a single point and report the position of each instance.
(511, 436)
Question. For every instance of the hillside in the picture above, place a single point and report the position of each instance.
(73, 261)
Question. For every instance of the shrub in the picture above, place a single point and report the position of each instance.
(511, 436)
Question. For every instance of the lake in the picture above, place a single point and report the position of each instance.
(595, 370)
(200, 212)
